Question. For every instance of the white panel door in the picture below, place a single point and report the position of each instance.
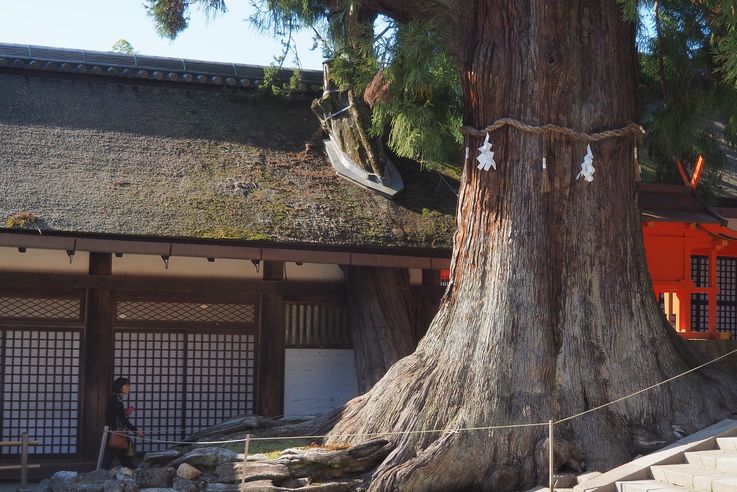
(317, 380)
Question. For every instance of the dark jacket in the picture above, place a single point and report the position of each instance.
(115, 416)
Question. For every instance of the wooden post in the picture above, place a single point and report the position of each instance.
(270, 398)
(97, 363)
(24, 465)
(101, 452)
(684, 308)
(245, 461)
(712, 296)
(551, 465)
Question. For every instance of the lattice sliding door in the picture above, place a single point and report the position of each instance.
(220, 378)
(40, 372)
(192, 364)
(700, 302)
(727, 297)
(154, 362)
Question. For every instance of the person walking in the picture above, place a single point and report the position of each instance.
(116, 418)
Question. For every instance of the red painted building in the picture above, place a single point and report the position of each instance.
(692, 258)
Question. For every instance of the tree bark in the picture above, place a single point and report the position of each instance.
(380, 314)
(550, 309)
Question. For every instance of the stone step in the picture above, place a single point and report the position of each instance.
(647, 486)
(717, 459)
(728, 443)
(724, 485)
(690, 476)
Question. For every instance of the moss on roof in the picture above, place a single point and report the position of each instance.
(95, 156)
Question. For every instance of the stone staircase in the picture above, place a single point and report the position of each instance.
(712, 470)
(704, 461)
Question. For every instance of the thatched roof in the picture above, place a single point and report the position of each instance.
(101, 154)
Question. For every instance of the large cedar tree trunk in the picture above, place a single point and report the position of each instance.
(380, 314)
(550, 310)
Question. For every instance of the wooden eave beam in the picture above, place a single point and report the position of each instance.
(181, 249)
(11, 280)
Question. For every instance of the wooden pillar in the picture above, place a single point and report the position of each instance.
(428, 303)
(684, 310)
(712, 323)
(684, 296)
(270, 399)
(97, 364)
(430, 277)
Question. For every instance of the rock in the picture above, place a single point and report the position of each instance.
(157, 489)
(158, 477)
(45, 485)
(253, 457)
(233, 472)
(94, 477)
(330, 487)
(122, 473)
(188, 471)
(565, 480)
(91, 487)
(209, 457)
(184, 485)
(65, 475)
(295, 483)
(63, 481)
(221, 487)
(125, 485)
(151, 459)
(320, 463)
(262, 486)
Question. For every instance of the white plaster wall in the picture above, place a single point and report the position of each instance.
(318, 380)
(314, 272)
(184, 266)
(42, 260)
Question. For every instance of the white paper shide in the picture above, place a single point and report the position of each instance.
(486, 156)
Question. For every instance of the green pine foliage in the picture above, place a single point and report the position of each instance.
(172, 16)
(688, 103)
(123, 46)
(422, 114)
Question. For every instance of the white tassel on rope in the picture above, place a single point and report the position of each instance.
(486, 156)
(638, 167)
(587, 166)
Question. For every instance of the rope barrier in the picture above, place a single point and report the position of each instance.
(427, 431)
(630, 129)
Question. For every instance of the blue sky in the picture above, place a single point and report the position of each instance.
(97, 24)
